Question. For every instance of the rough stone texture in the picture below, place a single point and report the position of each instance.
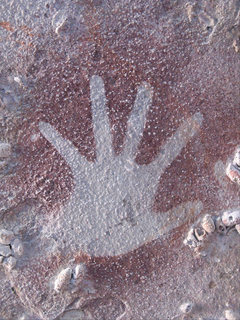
(5, 250)
(6, 236)
(122, 118)
(17, 248)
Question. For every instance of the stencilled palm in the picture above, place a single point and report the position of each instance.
(109, 212)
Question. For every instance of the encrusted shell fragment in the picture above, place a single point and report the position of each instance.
(208, 224)
(236, 45)
(233, 173)
(63, 279)
(191, 240)
(9, 263)
(6, 236)
(237, 226)
(230, 218)
(17, 248)
(220, 227)
(200, 234)
(5, 150)
(236, 160)
(5, 250)
(186, 307)
(1, 259)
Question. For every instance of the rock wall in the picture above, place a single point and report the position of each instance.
(119, 159)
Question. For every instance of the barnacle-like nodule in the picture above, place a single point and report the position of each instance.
(63, 279)
(220, 226)
(233, 168)
(233, 173)
(200, 234)
(191, 240)
(79, 272)
(230, 218)
(208, 224)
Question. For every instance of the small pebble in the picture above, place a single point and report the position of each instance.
(6, 236)
(79, 272)
(233, 173)
(17, 248)
(5, 250)
(237, 226)
(208, 224)
(5, 150)
(17, 79)
(186, 307)
(63, 279)
(1, 259)
(230, 218)
(9, 263)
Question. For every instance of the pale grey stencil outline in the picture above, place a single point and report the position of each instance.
(109, 212)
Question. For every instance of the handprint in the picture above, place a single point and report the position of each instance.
(109, 212)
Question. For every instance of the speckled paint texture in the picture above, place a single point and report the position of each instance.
(184, 53)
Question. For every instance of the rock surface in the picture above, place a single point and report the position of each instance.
(118, 123)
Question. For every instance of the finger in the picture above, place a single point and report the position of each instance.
(101, 124)
(137, 120)
(172, 149)
(65, 147)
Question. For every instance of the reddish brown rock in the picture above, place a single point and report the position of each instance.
(183, 51)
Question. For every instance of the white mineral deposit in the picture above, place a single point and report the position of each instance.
(186, 307)
(79, 272)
